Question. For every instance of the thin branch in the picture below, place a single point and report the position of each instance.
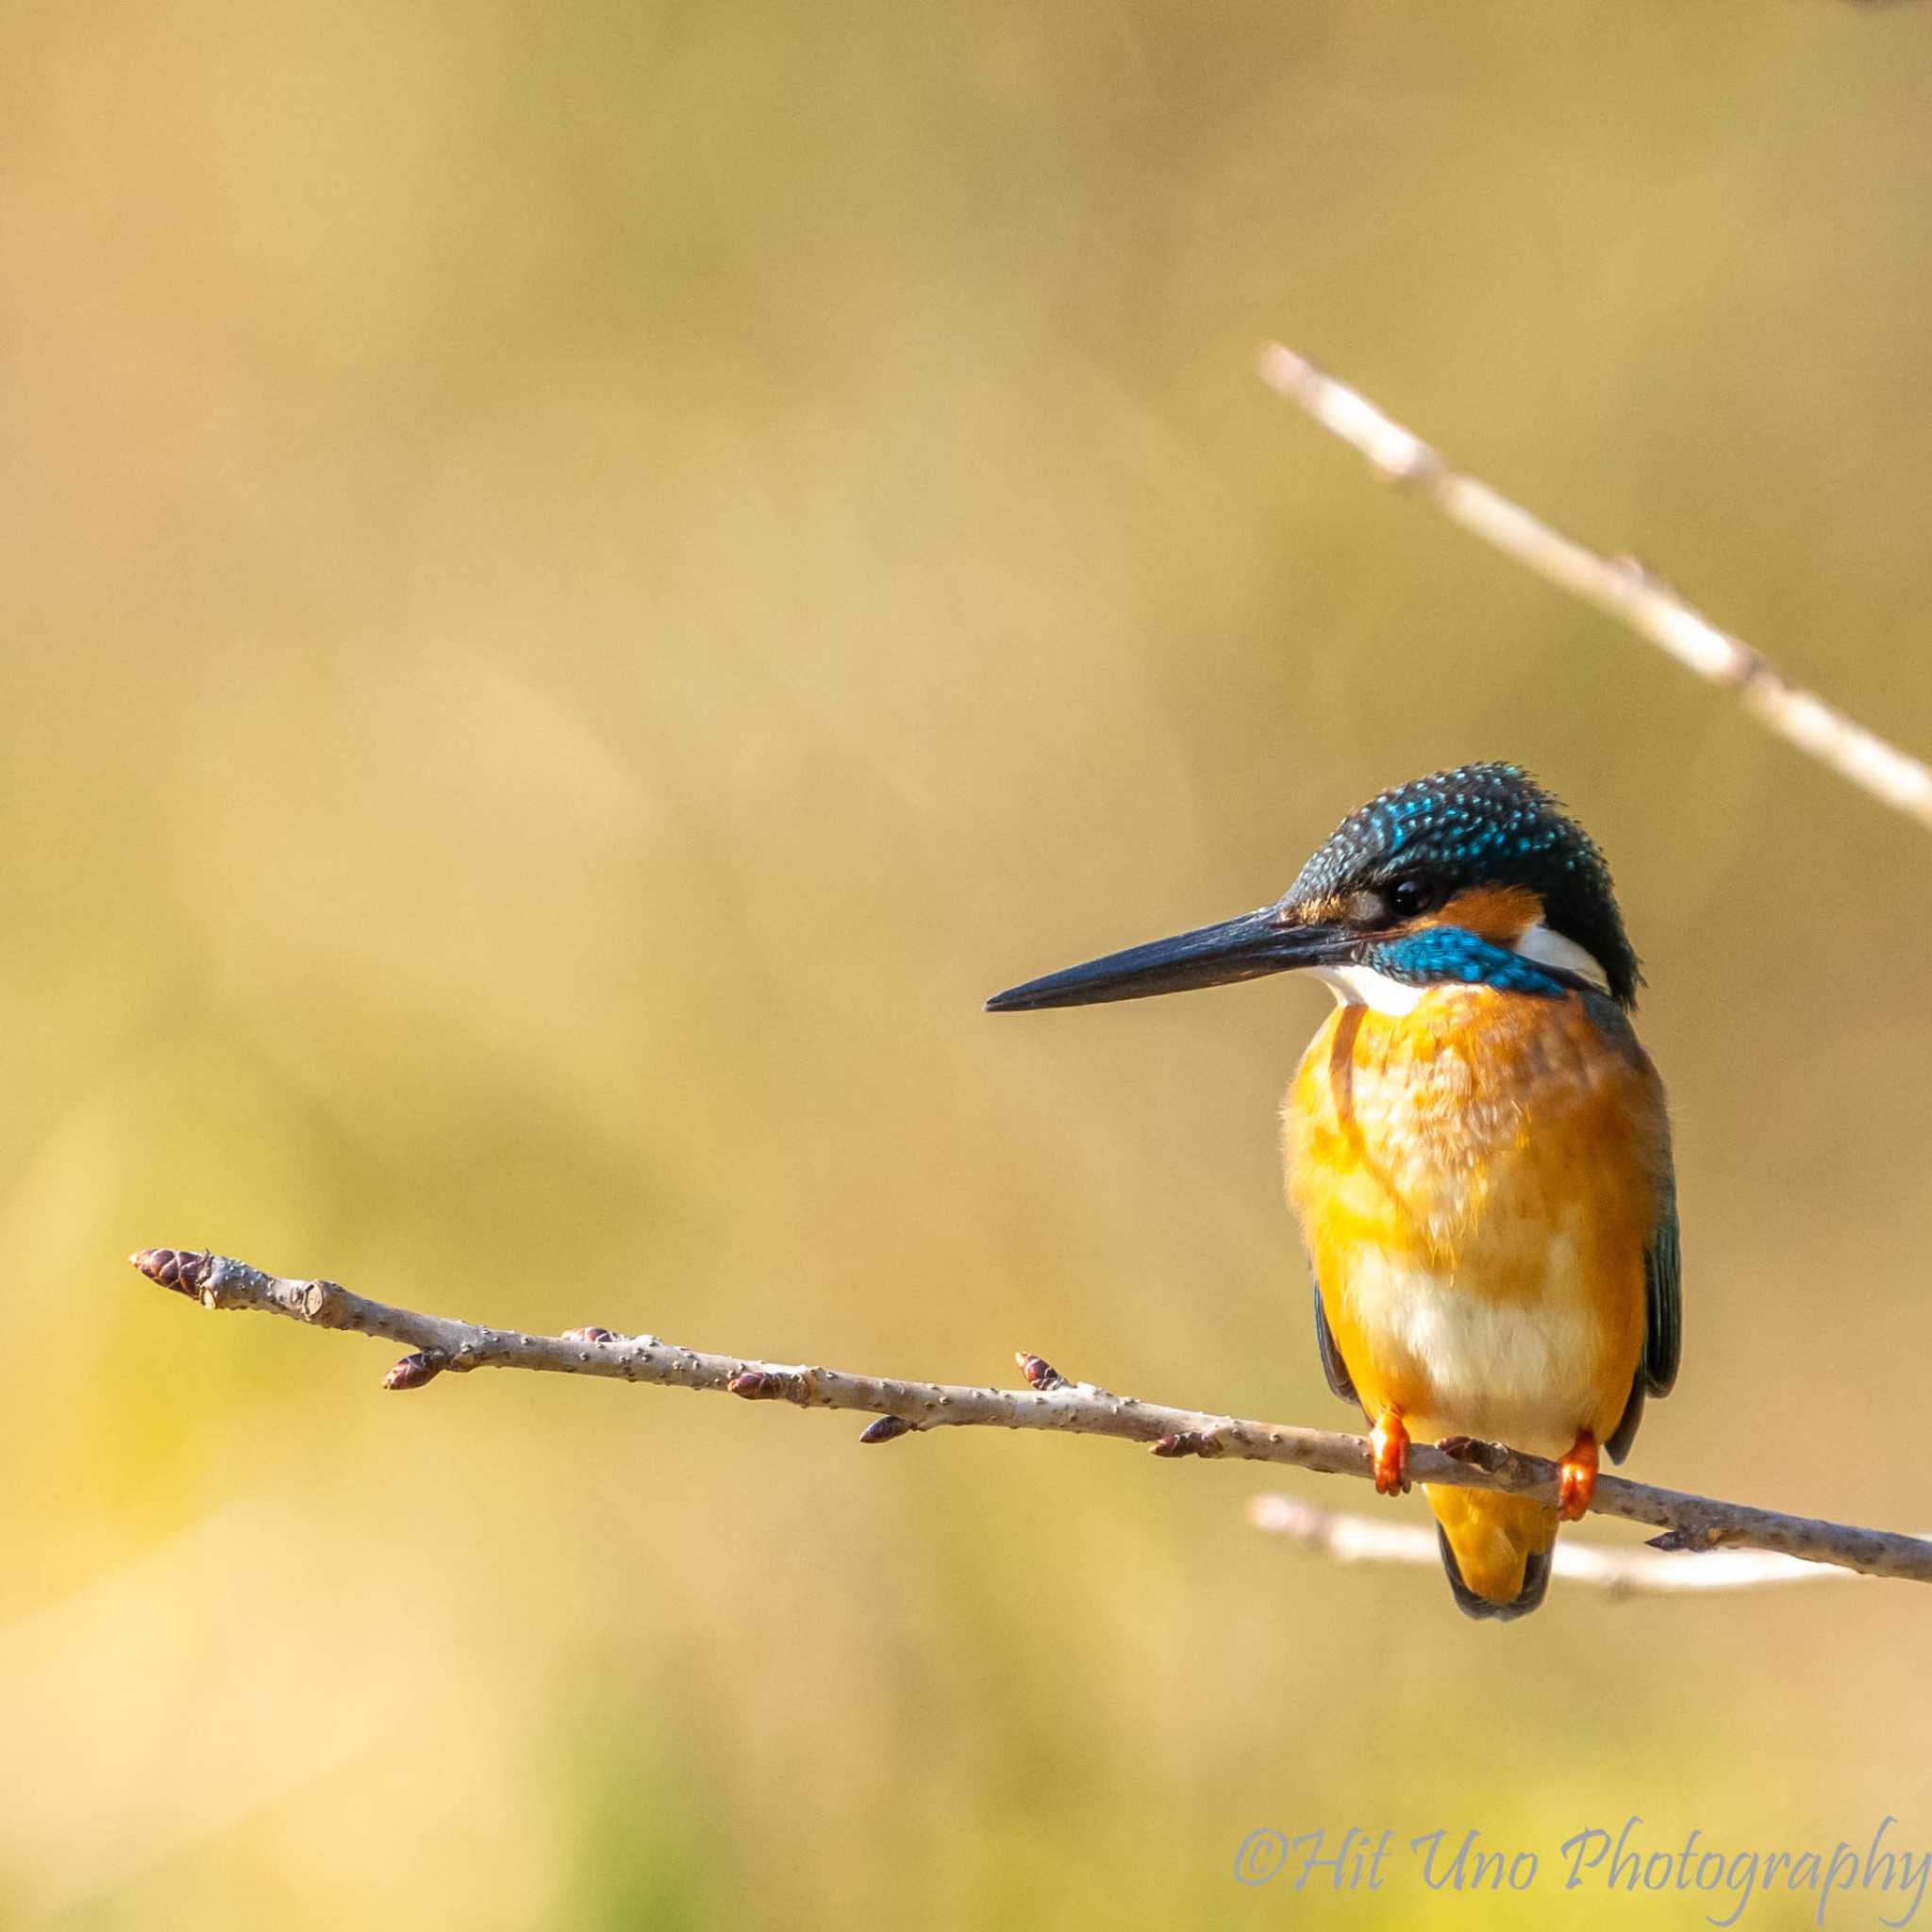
(1351, 1538)
(1618, 585)
(442, 1346)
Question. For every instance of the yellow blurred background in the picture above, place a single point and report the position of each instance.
(579, 585)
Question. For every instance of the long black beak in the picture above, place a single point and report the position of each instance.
(1242, 948)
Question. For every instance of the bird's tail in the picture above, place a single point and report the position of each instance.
(1496, 1549)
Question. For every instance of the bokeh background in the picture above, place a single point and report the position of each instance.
(579, 584)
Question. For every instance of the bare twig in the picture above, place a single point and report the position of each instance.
(1618, 584)
(440, 1346)
(1351, 1538)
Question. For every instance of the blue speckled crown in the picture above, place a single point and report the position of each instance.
(1481, 825)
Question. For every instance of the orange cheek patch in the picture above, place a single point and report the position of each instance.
(1501, 914)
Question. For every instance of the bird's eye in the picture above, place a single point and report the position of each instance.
(1408, 898)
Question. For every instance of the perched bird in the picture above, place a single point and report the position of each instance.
(1475, 1144)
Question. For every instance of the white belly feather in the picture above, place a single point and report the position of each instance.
(1523, 1372)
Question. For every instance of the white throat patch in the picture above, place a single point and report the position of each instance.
(1362, 986)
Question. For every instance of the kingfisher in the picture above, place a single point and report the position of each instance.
(1475, 1145)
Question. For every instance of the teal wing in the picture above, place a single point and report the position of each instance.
(1663, 1319)
(1332, 1365)
(1663, 1323)
(1663, 1328)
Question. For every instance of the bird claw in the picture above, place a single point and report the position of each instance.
(1388, 1454)
(1577, 1478)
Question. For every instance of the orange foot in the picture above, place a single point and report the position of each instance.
(1388, 1453)
(1578, 1481)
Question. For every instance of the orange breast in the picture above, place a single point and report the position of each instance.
(1477, 1184)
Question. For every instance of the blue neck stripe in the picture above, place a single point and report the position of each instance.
(1450, 955)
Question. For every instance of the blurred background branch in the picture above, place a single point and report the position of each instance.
(1354, 1538)
(1618, 585)
(440, 1345)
